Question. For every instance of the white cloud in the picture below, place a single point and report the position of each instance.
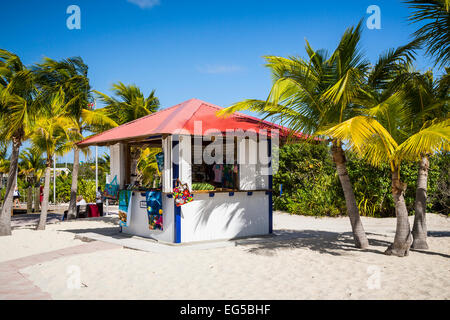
(145, 4)
(218, 69)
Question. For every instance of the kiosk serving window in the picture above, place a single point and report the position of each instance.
(214, 164)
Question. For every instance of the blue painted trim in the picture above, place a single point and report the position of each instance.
(270, 213)
(154, 137)
(212, 194)
(269, 151)
(230, 194)
(176, 209)
(249, 193)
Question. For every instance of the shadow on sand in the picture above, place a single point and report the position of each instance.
(31, 220)
(325, 242)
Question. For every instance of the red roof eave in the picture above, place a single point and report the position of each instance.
(185, 117)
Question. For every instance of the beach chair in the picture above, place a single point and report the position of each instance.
(82, 211)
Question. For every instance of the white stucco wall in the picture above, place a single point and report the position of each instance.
(224, 216)
(167, 185)
(185, 154)
(117, 153)
(206, 218)
(139, 220)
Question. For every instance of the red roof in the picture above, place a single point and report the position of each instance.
(182, 117)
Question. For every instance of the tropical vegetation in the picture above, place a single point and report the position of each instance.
(378, 134)
(386, 113)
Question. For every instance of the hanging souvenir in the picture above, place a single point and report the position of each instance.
(181, 194)
(154, 210)
(125, 207)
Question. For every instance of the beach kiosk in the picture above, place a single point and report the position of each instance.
(231, 155)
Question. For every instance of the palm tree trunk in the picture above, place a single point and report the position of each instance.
(72, 213)
(44, 210)
(29, 199)
(5, 215)
(359, 234)
(419, 231)
(403, 238)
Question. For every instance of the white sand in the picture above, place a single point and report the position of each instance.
(318, 262)
(26, 241)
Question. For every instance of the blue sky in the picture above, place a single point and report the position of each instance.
(210, 50)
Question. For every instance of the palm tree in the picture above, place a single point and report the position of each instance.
(17, 111)
(380, 136)
(4, 162)
(54, 133)
(128, 104)
(4, 165)
(104, 163)
(31, 166)
(428, 100)
(147, 167)
(436, 32)
(309, 95)
(70, 76)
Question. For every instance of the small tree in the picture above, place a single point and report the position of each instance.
(53, 133)
(18, 109)
(378, 143)
(31, 167)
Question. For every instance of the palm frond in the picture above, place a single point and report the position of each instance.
(436, 30)
(431, 139)
(391, 63)
(366, 136)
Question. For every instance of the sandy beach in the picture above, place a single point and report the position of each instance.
(310, 258)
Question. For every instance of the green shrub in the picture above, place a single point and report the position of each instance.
(311, 185)
(86, 188)
(309, 182)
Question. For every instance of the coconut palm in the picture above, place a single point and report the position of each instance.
(31, 167)
(429, 100)
(392, 97)
(54, 133)
(307, 95)
(128, 104)
(380, 136)
(436, 31)
(147, 166)
(103, 164)
(18, 109)
(70, 76)
(4, 165)
(4, 162)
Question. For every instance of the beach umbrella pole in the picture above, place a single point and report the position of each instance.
(96, 168)
(107, 201)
